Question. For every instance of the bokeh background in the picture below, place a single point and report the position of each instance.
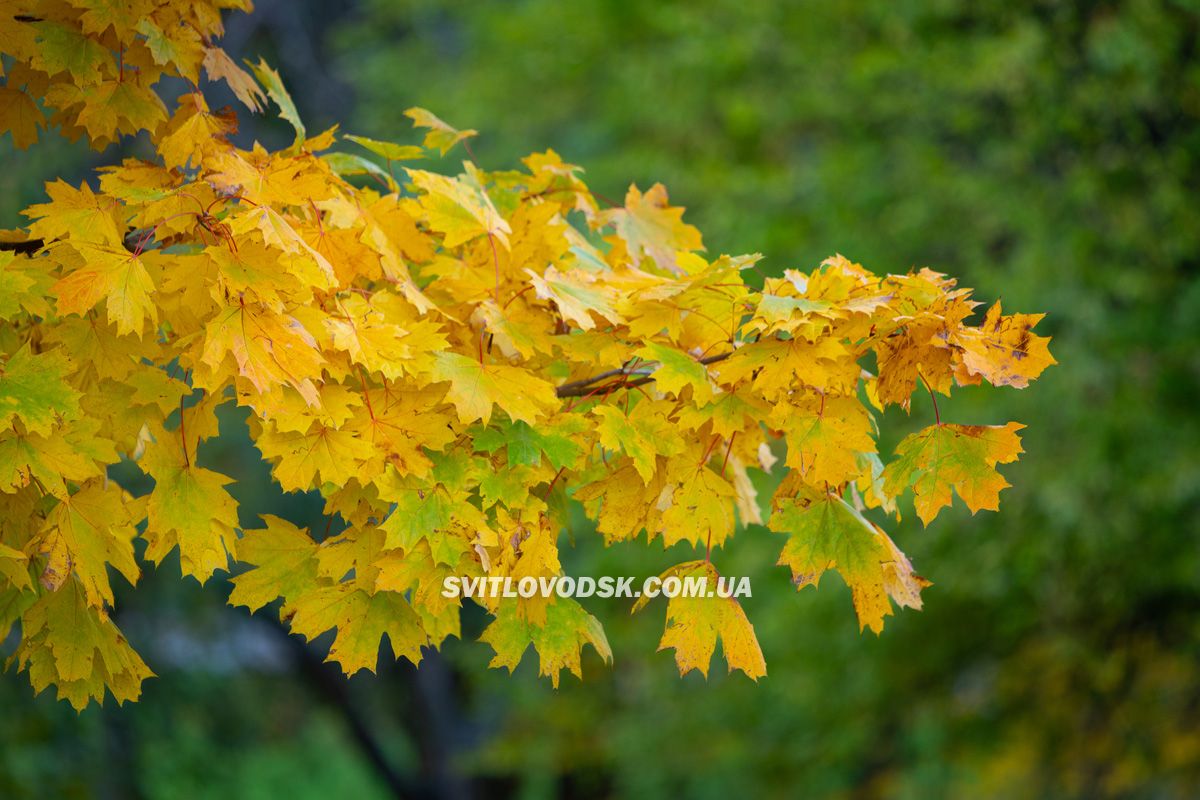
(1047, 153)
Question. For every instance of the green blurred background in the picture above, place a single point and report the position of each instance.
(1046, 153)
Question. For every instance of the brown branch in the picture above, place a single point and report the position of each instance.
(30, 246)
(26, 247)
(583, 386)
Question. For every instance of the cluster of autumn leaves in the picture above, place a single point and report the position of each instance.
(446, 359)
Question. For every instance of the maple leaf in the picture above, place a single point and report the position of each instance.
(962, 458)
(34, 390)
(361, 618)
(556, 440)
(72, 454)
(110, 107)
(75, 214)
(77, 648)
(779, 311)
(179, 46)
(695, 624)
(574, 297)
(829, 533)
(22, 287)
(458, 210)
(644, 433)
(219, 66)
(333, 454)
(416, 573)
(271, 81)
(14, 566)
(825, 436)
(675, 370)
(403, 431)
(194, 131)
(285, 564)
(85, 533)
(20, 116)
(729, 413)
(653, 228)
(351, 554)
(776, 366)
(191, 508)
(559, 641)
(626, 506)
(64, 48)
(425, 515)
(1003, 350)
(701, 507)
(116, 276)
(381, 346)
(269, 350)
(475, 388)
(390, 151)
(441, 135)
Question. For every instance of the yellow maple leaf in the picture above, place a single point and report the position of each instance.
(576, 295)
(270, 350)
(460, 211)
(85, 533)
(300, 457)
(76, 647)
(651, 227)
(440, 135)
(34, 390)
(20, 116)
(824, 437)
(117, 277)
(1004, 350)
(475, 388)
(219, 66)
(361, 618)
(675, 370)
(189, 508)
(76, 214)
(695, 624)
(626, 505)
(644, 434)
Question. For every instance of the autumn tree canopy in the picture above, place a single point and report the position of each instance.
(447, 359)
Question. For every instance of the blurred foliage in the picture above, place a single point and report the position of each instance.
(1047, 153)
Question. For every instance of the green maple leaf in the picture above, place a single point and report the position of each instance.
(559, 642)
(33, 389)
(285, 564)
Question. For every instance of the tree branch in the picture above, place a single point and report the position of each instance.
(28, 246)
(584, 386)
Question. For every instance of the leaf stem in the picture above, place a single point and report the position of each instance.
(550, 488)
(728, 449)
(937, 417)
(366, 395)
(187, 462)
(496, 264)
